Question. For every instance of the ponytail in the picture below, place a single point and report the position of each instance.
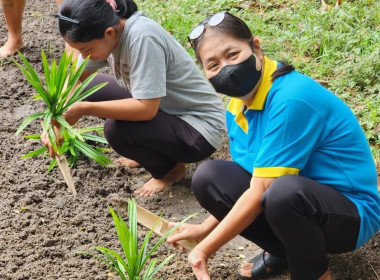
(126, 8)
(88, 19)
(284, 69)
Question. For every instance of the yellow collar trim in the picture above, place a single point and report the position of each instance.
(261, 95)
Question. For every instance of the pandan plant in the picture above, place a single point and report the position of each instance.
(73, 147)
(60, 90)
(136, 264)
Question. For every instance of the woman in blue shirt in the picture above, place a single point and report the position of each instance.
(302, 182)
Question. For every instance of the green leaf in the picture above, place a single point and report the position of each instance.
(91, 152)
(94, 138)
(115, 259)
(77, 95)
(62, 73)
(47, 78)
(75, 73)
(53, 163)
(35, 153)
(53, 141)
(33, 137)
(124, 236)
(98, 128)
(28, 120)
(30, 69)
(62, 121)
(47, 121)
(37, 85)
(110, 264)
(72, 151)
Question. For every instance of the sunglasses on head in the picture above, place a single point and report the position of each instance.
(214, 20)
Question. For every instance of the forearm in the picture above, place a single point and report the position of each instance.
(126, 109)
(246, 209)
(209, 224)
(244, 212)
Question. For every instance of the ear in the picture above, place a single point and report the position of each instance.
(110, 31)
(256, 47)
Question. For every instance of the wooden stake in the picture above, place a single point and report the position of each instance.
(64, 167)
(161, 226)
(65, 170)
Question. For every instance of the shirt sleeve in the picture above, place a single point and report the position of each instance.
(292, 133)
(148, 68)
(91, 65)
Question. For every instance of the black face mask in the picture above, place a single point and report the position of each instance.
(237, 80)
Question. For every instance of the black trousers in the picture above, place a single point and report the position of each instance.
(302, 219)
(157, 145)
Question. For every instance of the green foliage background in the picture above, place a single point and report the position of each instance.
(340, 47)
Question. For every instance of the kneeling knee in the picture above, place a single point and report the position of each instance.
(110, 131)
(202, 177)
(282, 195)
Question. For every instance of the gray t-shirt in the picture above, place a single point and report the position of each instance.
(150, 63)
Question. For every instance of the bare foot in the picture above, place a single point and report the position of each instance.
(246, 269)
(128, 162)
(276, 264)
(153, 185)
(11, 47)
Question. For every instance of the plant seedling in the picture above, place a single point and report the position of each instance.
(60, 90)
(135, 264)
(73, 147)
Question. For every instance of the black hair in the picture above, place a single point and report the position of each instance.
(231, 25)
(93, 18)
(284, 69)
(236, 28)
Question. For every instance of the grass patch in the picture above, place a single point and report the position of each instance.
(340, 47)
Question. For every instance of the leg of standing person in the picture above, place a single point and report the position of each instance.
(13, 11)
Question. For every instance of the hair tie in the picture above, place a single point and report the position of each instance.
(58, 15)
(112, 4)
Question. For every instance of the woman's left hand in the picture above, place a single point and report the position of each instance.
(198, 262)
(73, 114)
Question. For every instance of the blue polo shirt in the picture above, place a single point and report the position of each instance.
(296, 126)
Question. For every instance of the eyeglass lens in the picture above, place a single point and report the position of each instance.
(196, 32)
(214, 20)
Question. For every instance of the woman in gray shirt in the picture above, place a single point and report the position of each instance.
(161, 112)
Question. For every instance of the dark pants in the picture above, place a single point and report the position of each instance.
(157, 145)
(302, 220)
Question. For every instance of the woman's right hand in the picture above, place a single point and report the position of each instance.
(46, 141)
(198, 262)
(188, 232)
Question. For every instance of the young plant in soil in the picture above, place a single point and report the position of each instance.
(60, 90)
(136, 263)
(73, 147)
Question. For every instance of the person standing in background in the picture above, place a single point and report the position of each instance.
(13, 11)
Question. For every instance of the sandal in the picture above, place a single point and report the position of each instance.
(264, 265)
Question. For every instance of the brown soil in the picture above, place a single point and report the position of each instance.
(42, 226)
